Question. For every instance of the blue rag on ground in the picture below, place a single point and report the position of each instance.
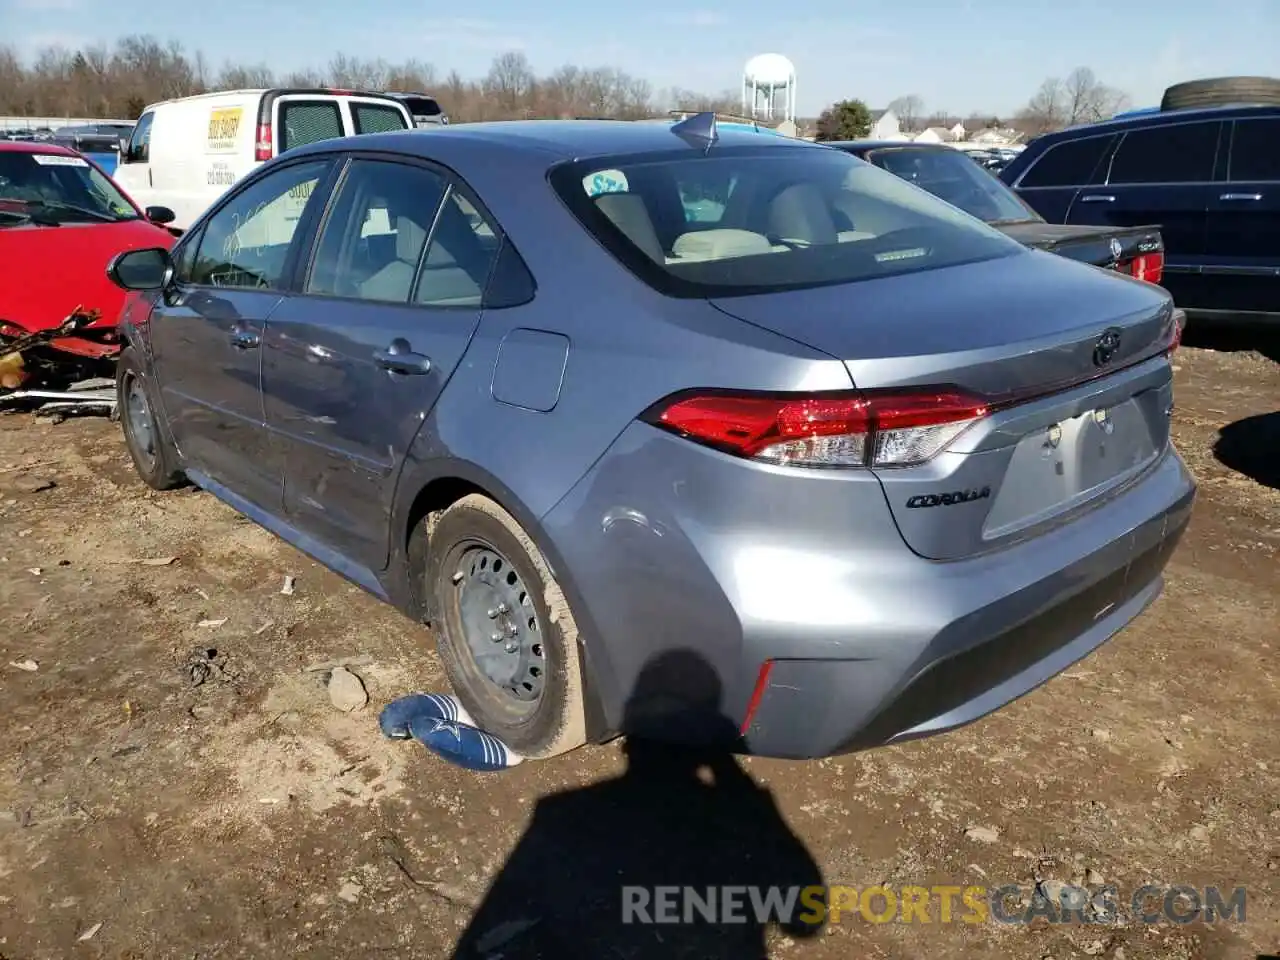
(439, 723)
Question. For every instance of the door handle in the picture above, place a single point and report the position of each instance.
(243, 339)
(1098, 198)
(400, 358)
(1241, 196)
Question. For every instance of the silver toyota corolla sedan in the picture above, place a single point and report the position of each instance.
(667, 430)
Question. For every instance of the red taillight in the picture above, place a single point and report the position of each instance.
(1148, 267)
(762, 684)
(872, 429)
(262, 146)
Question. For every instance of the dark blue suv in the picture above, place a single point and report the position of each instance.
(1210, 178)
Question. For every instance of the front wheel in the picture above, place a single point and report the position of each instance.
(504, 630)
(153, 455)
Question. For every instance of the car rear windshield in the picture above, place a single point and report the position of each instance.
(422, 106)
(957, 179)
(743, 220)
(58, 185)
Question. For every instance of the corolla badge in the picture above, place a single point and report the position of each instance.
(1116, 249)
(1106, 347)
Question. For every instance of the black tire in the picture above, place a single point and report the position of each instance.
(151, 450)
(1221, 92)
(467, 534)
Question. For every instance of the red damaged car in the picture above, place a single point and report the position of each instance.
(62, 219)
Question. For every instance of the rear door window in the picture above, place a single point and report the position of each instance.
(1073, 163)
(308, 121)
(375, 234)
(1255, 150)
(1174, 153)
(460, 258)
(376, 117)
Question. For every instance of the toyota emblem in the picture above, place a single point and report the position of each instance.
(1116, 249)
(1106, 347)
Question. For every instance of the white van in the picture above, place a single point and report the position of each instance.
(185, 153)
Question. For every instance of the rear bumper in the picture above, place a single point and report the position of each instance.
(973, 667)
(668, 549)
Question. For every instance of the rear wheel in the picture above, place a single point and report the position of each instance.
(504, 629)
(153, 455)
(1221, 92)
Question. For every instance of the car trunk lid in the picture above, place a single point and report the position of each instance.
(1067, 360)
(1134, 251)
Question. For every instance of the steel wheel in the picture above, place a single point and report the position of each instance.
(138, 419)
(499, 622)
(506, 636)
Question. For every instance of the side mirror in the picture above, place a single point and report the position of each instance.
(148, 269)
(123, 147)
(160, 215)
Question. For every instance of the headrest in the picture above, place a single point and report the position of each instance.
(720, 243)
(800, 213)
(410, 237)
(629, 214)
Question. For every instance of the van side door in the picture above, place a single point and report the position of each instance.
(1242, 247)
(1162, 175)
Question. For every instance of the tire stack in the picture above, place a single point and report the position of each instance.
(1222, 92)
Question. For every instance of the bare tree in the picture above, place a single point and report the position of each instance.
(909, 110)
(122, 80)
(413, 76)
(1081, 98)
(1088, 99)
(356, 74)
(510, 82)
(246, 77)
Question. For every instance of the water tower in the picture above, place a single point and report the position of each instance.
(763, 78)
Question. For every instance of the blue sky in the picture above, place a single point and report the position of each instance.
(959, 56)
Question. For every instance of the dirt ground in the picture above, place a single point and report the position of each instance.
(174, 781)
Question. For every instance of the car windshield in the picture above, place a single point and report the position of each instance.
(740, 220)
(61, 186)
(957, 179)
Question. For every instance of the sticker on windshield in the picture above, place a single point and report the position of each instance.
(605, 181)
(58, 160)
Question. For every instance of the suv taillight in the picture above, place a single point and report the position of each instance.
(870, 429)
(1148, 267)
(262, 146)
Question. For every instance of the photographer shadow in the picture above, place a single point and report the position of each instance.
(586, 878)
(1252, 447)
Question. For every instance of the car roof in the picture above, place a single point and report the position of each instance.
(1158, 117)
(260, 92)
(558, 139)
(30, 146)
